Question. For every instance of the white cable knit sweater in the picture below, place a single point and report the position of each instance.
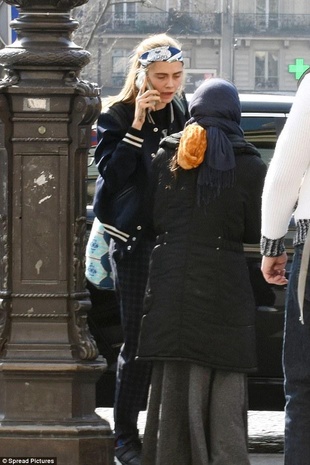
(288, 176)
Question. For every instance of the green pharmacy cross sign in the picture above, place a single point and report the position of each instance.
(299, 68)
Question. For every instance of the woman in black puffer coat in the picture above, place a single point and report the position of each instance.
(199, 313)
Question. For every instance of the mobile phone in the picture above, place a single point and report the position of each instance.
(141, 75)
(140, 79)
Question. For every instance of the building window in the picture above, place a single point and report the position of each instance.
(124, 11)
(267, 6)
(131, 10)
(185, 5)
(187, 59)
(120, 59)
(267, 13)
(266, 71)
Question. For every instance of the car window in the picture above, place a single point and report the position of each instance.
(263, 132)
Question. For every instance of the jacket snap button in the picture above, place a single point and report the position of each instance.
(139, 228)
(155, 129)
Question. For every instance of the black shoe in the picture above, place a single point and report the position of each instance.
(129, 454)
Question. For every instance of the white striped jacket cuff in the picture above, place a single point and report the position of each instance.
(133, 140)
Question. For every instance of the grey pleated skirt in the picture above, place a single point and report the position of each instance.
(196, 416)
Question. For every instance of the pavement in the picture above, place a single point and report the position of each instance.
(265, 428)
(266, 459)
(266, 431)
(266, 434)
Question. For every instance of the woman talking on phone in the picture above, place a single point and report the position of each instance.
(130, 128)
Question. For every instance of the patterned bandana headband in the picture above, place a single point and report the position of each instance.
(169, 54)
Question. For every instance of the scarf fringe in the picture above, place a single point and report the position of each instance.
(211, 182)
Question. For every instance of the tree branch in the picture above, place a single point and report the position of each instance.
(99, 18)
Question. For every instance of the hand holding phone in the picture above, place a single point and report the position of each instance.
(142, 80)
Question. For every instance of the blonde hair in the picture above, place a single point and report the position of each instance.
(129, 91)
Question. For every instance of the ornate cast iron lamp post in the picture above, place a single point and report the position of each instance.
(48, 364)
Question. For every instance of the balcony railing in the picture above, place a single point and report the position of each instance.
(175, 23)
(290, 25)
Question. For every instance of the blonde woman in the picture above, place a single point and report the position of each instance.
(129, 131)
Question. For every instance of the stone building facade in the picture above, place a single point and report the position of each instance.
(261, 45)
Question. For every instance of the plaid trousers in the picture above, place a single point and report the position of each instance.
(133, 377)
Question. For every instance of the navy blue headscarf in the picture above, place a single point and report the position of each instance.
(215, 106)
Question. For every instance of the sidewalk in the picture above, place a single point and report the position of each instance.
(266, 459)
(266, 430)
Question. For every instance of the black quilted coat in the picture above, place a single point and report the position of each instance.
(199, 305)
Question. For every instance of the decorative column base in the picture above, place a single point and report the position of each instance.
(49, 412)
(79, 444)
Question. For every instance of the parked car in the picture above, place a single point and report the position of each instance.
(263, 117)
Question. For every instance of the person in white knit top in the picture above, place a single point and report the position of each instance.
(286, 193)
